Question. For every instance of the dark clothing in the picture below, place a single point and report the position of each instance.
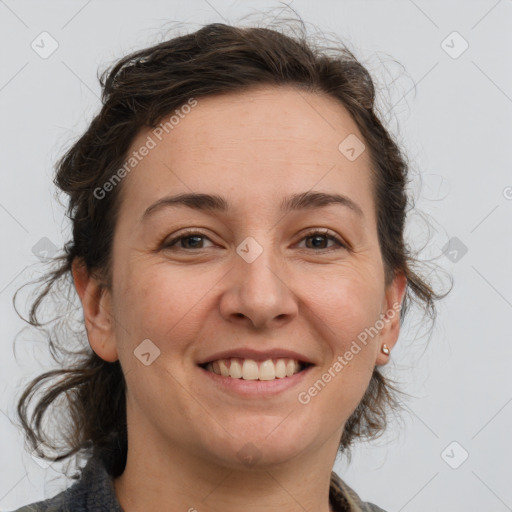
(94, 492)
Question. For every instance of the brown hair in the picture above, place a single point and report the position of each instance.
(138, 92)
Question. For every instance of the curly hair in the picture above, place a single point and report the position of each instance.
(139, 91)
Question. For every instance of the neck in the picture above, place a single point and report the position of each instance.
(175, 479)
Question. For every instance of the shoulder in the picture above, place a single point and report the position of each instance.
(94, 491)
(344, 495)
(370, 507)
(66, 501)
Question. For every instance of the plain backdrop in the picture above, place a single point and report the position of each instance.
(443, 70)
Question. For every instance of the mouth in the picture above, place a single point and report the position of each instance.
(254, 380)
(250, 369)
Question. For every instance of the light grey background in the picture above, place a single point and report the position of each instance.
(454, 119)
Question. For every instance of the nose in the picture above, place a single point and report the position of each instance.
(259, 293)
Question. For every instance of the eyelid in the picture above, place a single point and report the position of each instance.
(187, 232)
(325, 232)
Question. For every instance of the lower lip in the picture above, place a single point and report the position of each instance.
(256, 388)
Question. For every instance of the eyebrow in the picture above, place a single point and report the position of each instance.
(215, 203)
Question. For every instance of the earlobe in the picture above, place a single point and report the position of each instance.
(97, 308)
(391, 318)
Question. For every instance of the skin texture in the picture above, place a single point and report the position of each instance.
(184, 434)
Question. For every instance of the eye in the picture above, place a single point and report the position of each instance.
(317, 235)
(193, 240)
(188, 235)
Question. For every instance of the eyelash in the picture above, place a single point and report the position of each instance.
(190, 233)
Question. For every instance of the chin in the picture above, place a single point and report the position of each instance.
(261, 448)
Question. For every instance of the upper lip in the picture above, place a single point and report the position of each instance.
(256, 355)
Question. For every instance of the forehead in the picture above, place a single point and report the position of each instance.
(263, 142)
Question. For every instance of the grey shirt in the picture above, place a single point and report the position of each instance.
(95, 492)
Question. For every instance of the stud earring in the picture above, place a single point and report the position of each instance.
(385, 349)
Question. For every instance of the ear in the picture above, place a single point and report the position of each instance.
(391, 316)
(97, 308)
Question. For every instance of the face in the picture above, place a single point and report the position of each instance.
(252, 276)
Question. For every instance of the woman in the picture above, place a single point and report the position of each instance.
(238, 215)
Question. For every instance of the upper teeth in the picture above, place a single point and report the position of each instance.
(248, 369)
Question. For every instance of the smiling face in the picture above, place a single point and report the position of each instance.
(254, 274)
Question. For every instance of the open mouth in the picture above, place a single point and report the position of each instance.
(249, 369)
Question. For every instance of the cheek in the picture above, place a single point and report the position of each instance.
(345, 309)
(344, 314)
(346, 303)
(154, 303)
